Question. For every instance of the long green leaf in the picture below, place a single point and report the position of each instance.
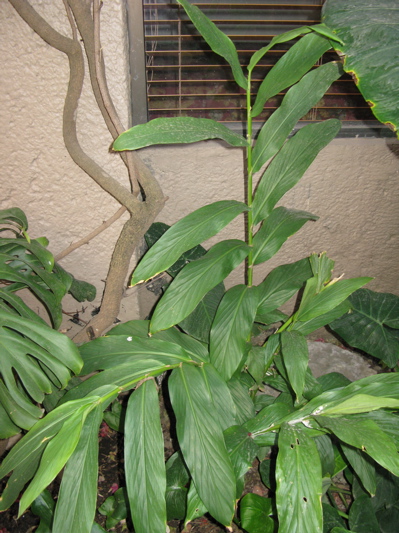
(110, 352)
(219, 393)
(294, 348)
(367, 436)
(202, 443)
(144, 460)
(296, 103)
(232, 328)
(195, 280)
(299, 482)
(177, 478)
(76, 505)
(289, 165)
(241, 448)
(275, 230)
(369, 31)
(217, 40)
(175, 130)
(282, 283)
(369, 324)
(56, 454)
(328, 298)
(290, 68)
(363, 467)
(184, 235)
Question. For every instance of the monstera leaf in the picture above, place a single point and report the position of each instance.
(369, 30)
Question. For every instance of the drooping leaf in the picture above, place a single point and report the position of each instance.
(195, 280)
(289, 165)
(282, 283)
(322, 320)
(362, 516)
(14, 216)
(367, 436)
(199, 322)
(202, 443)
(184, 235)
(232, 328)
(144, 460)
(369, 31)
(296, 103)
(369, 324)
(294, 348)
(299, 482)
(275, 230)
(175, 130)
(76, 505)
(300, 58)
(55, 455)
(255, 514)
(363, 467)
(217, 40)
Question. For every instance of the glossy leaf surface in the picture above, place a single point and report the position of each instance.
(175, 130)
(299, 482)
(231, 329)
(296, 103)
(195, 280)
(144, 460)
(202, 442)
(289, 165)
(369, 31)
(217, 40)
(294, 348)
(275, 230)
(184, 235)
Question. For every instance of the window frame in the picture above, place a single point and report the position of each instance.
(138, 83)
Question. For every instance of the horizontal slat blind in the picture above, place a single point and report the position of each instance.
(185, 78)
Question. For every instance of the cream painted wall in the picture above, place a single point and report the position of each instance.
(353, 185)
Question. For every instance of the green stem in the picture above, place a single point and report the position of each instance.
(249, 185)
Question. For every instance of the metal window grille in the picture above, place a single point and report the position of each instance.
(185, 78)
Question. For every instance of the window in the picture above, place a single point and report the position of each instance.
(185, 78)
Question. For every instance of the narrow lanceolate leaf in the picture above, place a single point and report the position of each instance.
(275, 230)
(219, 393)
(232, 328)
(144, 460)
(241, 448)
(367, 436)
(369, 31)
(282, 283)
(296, 103)
(184, 235)
(361, 403)
(294, 348)
(175, 130)
(299, 482)
(363, 466)
(329, 297)
(290, 68)
(76, 506)
(56, 454)
(369, 324)
(195, 280)
(289, 165)
(202, 443)
(109, 352)
(217, 40)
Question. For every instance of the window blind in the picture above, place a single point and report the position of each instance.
(185, 78)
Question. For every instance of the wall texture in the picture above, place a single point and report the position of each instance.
(353, 185)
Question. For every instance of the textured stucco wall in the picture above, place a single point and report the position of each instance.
(353, 185)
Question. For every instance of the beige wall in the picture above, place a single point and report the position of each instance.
(353, 185)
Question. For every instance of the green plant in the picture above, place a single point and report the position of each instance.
(224, 418)
(36, 359)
